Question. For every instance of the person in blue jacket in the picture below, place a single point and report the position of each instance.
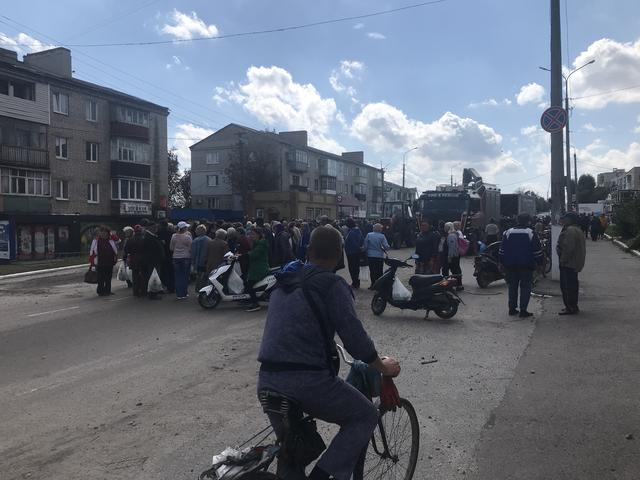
(353, 241)
(376, 245)
(520, 253)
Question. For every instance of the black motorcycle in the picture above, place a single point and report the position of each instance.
(487, 266)
(429, 292)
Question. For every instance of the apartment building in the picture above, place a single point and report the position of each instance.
(295, 180)
(609, 179)
(73, 155)
(627, 185)
(395, 193)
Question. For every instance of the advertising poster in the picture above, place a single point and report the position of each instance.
(24, 243)
(39, 239)
(5, 240)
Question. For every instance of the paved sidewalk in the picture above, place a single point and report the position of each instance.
(573, 409)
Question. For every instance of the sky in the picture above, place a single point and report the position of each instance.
(458, 79)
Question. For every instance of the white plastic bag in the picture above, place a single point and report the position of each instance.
(235, 283)
(122, 274)
(129, 273)
(364, 274)
(155, 285)
(400, 292)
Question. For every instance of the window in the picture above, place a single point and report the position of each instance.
(309, 213)
(315, 184)
(129, 151)
(4, 86)
(24, 90)
(93, 193)
(132, 116)
(213, 158)
(351, 187)
(213, 180)
(125, 189)
(60, 103)
(62, 150)
(328, 183)
(213, 202)
(302, 157)
(259, 213)
(92, 152)
(25, 182)
(306, 181)
(295, 180)
(62, 190)
(92, 111)
(357, 171)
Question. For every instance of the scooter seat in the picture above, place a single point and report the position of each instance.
(422, 281)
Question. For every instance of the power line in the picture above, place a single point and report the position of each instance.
(609, 92)
(255, 32)
(522, 181)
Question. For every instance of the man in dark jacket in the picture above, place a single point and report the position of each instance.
(133, 251)
(152, 255)
(572, 253)
(294, 360)
(166, 271)
(520, 253)
(427, 245)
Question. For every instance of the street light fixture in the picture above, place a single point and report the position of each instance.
(567, 144)
(404, 158)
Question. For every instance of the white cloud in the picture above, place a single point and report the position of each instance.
(491, 102)
(187, 26)
(272, 96)
(589, 127)
(376, 36)
(530, 130)
(186, 134)
(531, 93)
(450, 141)
(23, 43)
(617, 67)
(637, 129)
(358, 26)
(597, 158)
(348, 71)
(176, 62)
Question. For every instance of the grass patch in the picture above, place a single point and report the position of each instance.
(22, 266)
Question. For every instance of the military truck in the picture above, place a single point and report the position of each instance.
(399, 224)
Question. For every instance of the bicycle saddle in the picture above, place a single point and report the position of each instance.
(274, 402)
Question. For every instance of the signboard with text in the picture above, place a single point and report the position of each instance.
(135, 208)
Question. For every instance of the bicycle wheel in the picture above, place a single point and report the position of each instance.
(393, 450)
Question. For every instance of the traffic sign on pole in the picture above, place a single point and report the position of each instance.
(553, 119)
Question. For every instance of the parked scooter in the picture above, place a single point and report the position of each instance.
(429, 292)
(225, 283)
(488, 268)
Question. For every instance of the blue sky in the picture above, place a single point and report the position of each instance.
(458, 79)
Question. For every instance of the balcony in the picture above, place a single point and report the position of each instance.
(121, 129)
(360, 179)
(361, 196)
(296, 165)
(128, 169)
(299, 188)
(26, 157)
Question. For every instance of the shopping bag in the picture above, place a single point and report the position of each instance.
(129, 273)
(463, 246)
(122, 274)
(155, 285)
(235, 283)
(400, 292)
(91, 276)
(364, 273)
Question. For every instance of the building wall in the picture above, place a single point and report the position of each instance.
(36, 110)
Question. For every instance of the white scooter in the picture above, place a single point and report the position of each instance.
(225, 283)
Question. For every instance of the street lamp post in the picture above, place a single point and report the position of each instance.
(567, 144)
(404, 164)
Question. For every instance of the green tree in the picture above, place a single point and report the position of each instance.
(185, 188)
(586, 187)
(176, 198)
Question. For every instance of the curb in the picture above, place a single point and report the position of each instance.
(41, 272)
(623, 246)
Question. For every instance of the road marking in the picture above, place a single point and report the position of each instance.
(51, 311)
(118, 299)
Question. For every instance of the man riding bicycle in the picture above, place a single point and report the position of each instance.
(305, 312)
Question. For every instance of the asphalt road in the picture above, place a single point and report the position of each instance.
(120, 388)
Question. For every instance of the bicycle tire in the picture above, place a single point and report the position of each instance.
(378, 468)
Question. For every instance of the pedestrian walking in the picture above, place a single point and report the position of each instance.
(105, 255)
(443, 249)
(595, 228)
(133, 252)
(180, 247)
(153, 256)
(520, 253)
(427, 245)
(453, 252)
(164, 233)
(604, 224)
(199, 255)
(128, 235)
(258, 265)
(353, 249)
(572, 252)
(375, 246)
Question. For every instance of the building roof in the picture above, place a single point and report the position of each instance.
(20, 68)
(277, 138)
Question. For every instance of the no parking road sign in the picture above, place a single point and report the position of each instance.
(553, 119)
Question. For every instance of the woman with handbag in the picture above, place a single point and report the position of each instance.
(105, 254)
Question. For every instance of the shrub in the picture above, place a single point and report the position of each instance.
(628, 218)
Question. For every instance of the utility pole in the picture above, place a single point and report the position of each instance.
(568, 147)
(575, 172)
(557, 157)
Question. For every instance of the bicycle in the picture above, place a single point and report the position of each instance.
(383, 458)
